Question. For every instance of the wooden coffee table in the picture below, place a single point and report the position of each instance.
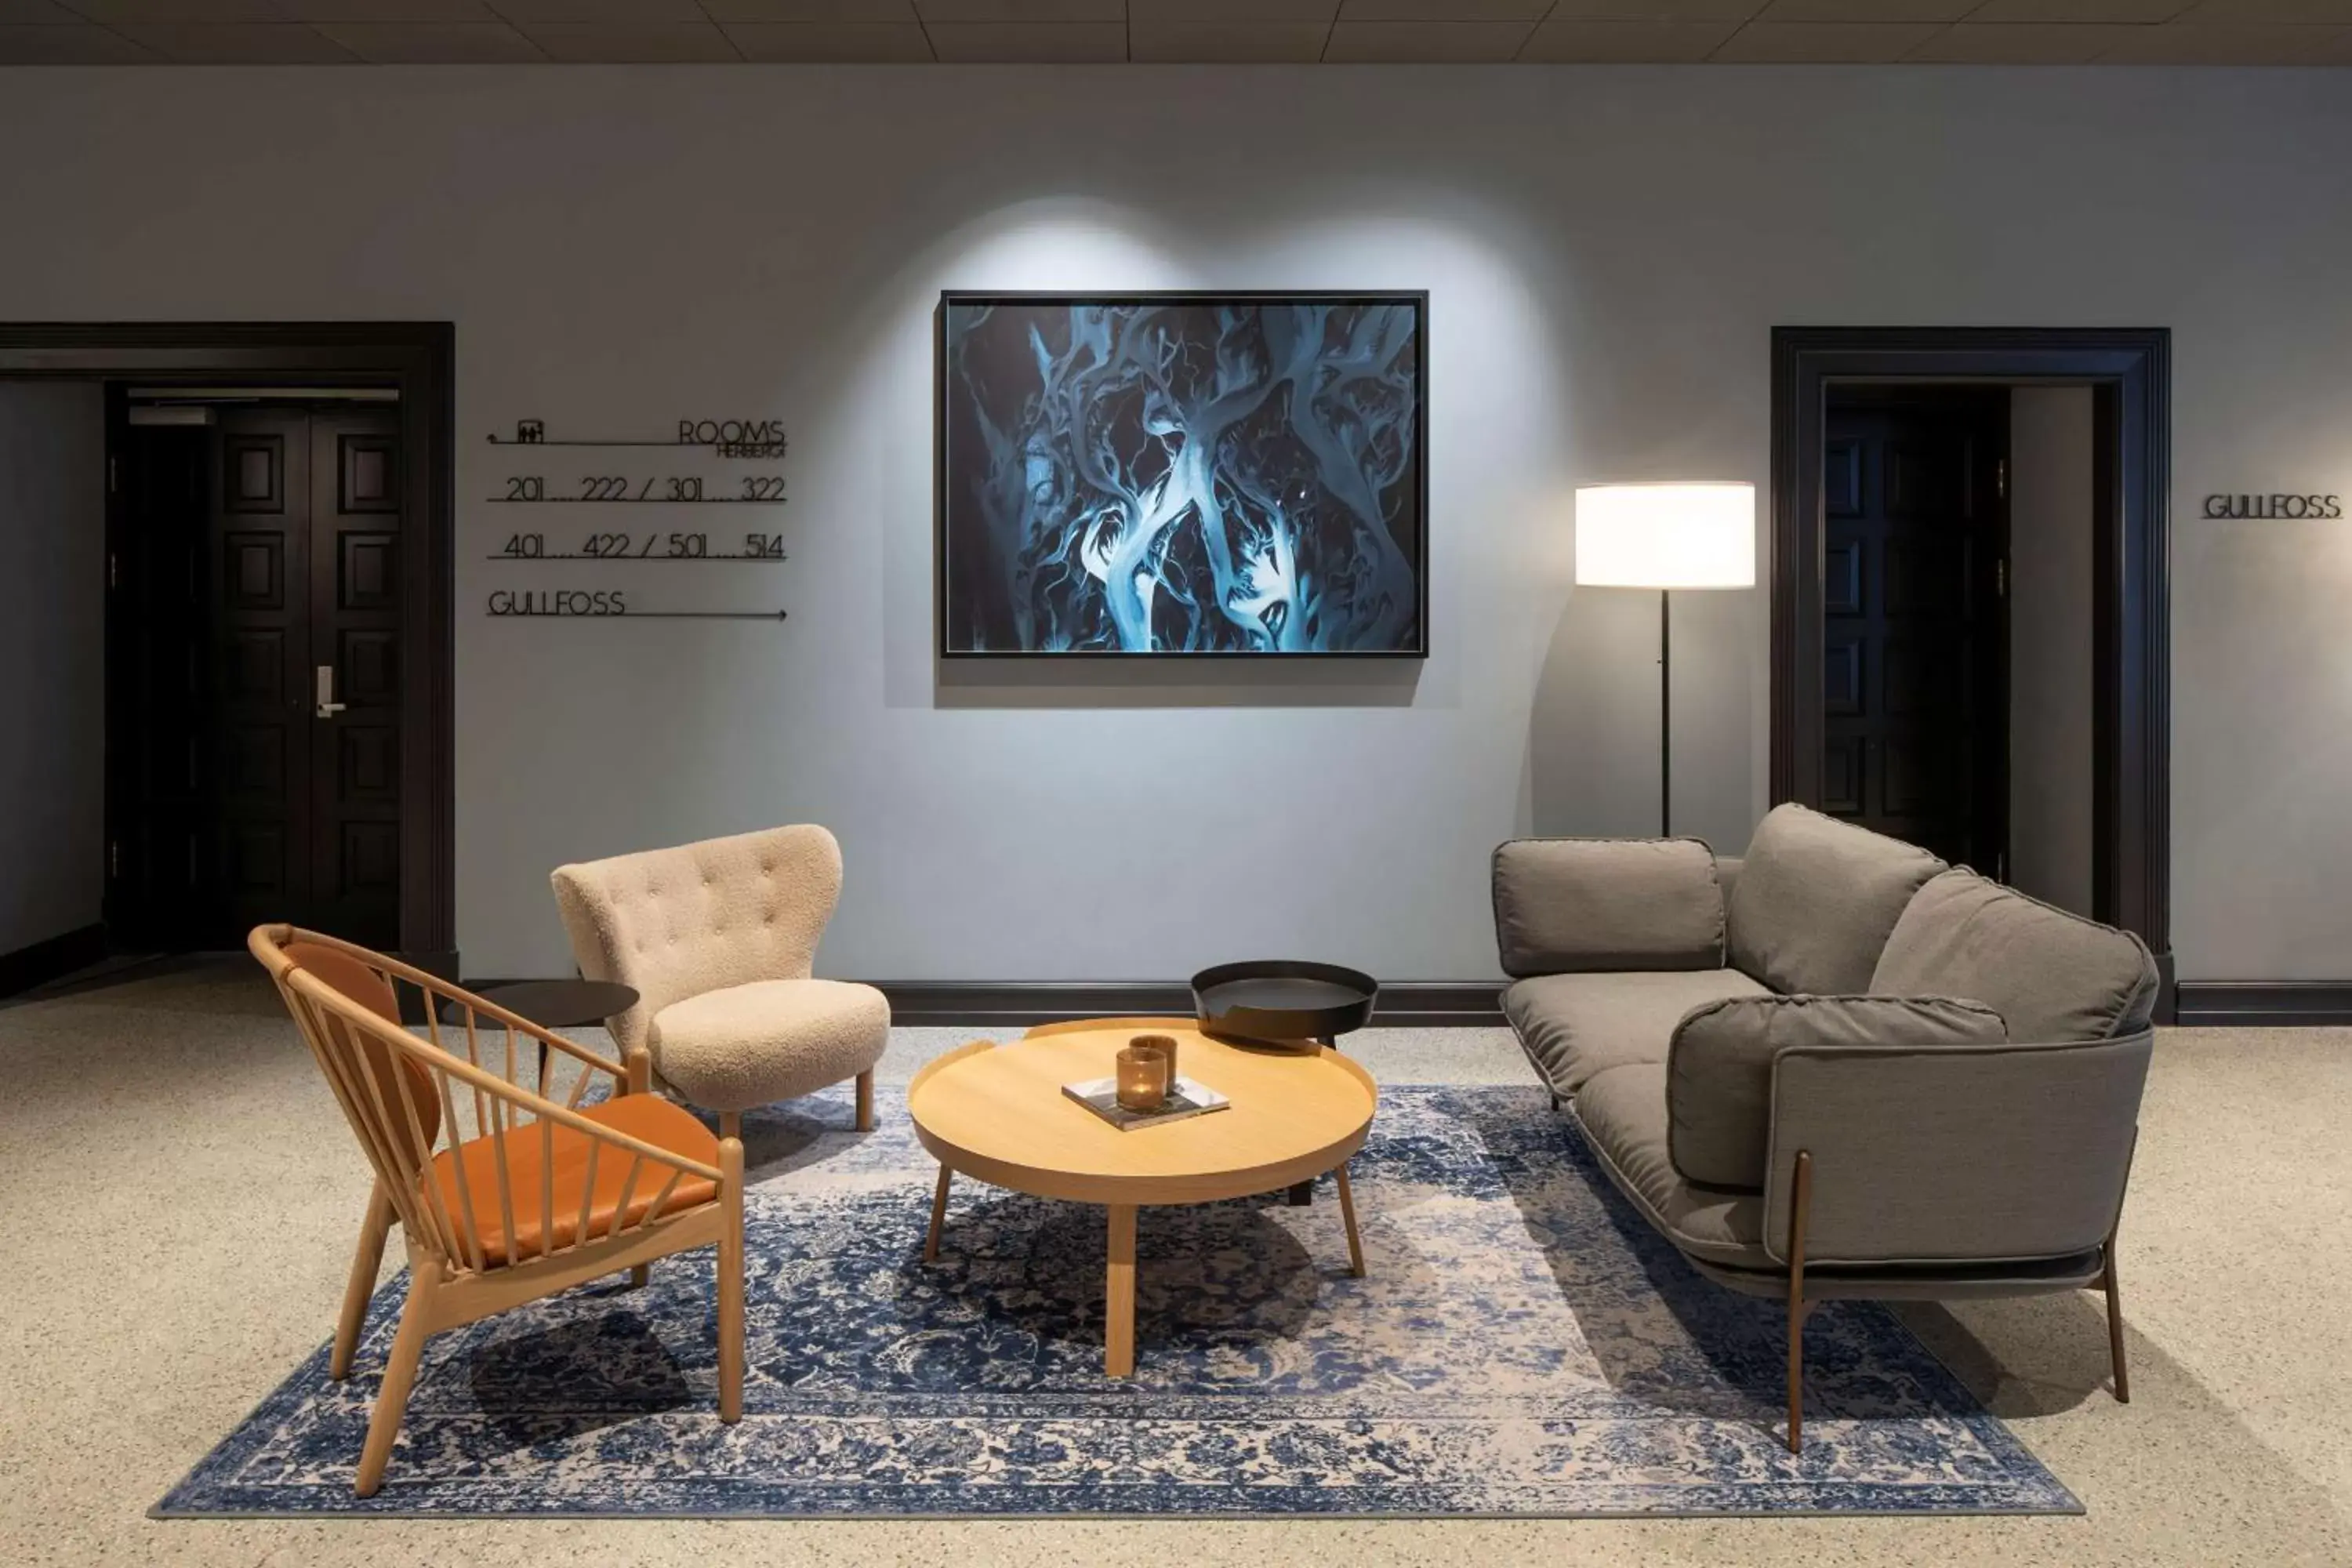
(998, 1113)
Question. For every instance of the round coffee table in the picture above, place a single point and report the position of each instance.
(998, 1113)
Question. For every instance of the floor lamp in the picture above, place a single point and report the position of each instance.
(1666, 536)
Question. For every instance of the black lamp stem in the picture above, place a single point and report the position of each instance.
(1666, 720)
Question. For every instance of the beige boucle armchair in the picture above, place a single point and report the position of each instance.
(716, 939)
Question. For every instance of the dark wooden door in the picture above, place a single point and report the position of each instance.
(256, 775)
(1915, 679)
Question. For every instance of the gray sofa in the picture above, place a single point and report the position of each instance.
(1835, 1067)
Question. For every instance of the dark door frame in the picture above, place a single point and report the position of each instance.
(2128, 371)
(418, 359)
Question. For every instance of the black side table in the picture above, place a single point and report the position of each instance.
(1280, 1000)
(557, 1005)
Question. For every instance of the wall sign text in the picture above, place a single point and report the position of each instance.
(2275, 505)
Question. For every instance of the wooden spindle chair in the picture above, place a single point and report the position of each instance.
(546, 1195)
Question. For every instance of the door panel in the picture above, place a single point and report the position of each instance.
(1915, 634)
(258, 749)
(354, 771)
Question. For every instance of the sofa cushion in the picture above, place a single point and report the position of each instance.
(1816, 899)
(2055, 977)
(1579, 905)
(1573, 1025)
(1623, 1114)
(1719, 1066)
(743, 1046)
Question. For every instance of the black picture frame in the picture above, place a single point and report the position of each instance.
(944, 473)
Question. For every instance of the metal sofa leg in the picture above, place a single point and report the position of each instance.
(1801, 1200)
(2115, 1322)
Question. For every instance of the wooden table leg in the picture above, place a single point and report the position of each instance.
(939, 1216)
(1347, 1218)
(1118, 1294)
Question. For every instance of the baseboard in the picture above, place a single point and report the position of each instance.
(52, 960)
(2284, 1003)
(1409, 1003)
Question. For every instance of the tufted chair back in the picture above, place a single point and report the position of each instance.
(676, 923)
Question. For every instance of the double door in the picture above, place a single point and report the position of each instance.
(254, 676)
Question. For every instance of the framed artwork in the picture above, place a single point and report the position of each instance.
(1186, 474)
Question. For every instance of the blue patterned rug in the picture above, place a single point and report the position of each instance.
(1523, 1345)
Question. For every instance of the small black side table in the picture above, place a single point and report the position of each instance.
(557, 1005)
(1279, 1000)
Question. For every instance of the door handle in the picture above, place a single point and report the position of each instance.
(328, 706)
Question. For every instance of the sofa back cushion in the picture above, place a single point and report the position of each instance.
(1577, 906)
(1719, 1066)
(1816, 899)
(2054, 976)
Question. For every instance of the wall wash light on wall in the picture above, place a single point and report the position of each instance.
(1666, 536)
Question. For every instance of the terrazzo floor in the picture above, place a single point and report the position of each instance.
(178, 1197)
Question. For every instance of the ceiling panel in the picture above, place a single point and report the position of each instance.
(433, 43)
(111, 12)
(528, 14)
(1625, 43)
(1435, 32)
(1865, 10)
(238, 43)
(1443, 10)
(1047, 43)
(883, 11)
(1142, 11)
(2020, 44)
(1823, 43)
(79, 44)
(388, 11)
(826, 43)
(631, 43)
(1023, 10)
(1435, 43)
(1239, 43)
(2078, 10)
(2305, 13)
(2205, 46)
(1653, 10)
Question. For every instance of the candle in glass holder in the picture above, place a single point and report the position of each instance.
(1143, 1077)
(1166, 1045)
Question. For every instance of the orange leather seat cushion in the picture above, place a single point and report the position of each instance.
(646, 1116)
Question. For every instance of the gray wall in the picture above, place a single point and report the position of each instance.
(1606, 252)
(2050, 535)
(52, 659)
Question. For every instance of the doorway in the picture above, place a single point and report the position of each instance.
(277, 623)
(254, 654)
(1821, 757)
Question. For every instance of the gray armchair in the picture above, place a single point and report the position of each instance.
(1854, 1073)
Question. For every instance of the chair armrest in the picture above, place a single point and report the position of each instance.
(1579, 905)
(1954, 1155)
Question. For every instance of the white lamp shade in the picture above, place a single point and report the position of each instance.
(1666, 536)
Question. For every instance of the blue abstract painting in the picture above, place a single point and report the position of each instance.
(1182, 474)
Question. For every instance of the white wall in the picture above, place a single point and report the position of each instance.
(52, 659)
(2051, 534)
(1606, 252)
